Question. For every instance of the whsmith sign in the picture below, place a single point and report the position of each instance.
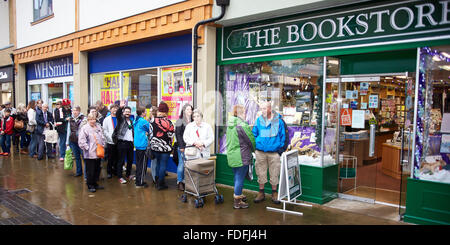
(60, 67)
(361, 26)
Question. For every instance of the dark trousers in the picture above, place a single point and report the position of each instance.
(92, 172)
(112, 153)
(41, 145)
(141, 167)
(125, 149)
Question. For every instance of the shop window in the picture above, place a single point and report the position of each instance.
(55, 94)
(42, 9)
(105, 87)
(140, 88)
(35, 92)
(294, 87)
(432, 152)
(176, 89)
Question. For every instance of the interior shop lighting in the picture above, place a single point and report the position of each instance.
(334, 62)
(446, 67)
(436, 58)
(445, 54)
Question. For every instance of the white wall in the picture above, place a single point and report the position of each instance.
(4, 24)
(61, 24)
(243, 11)
(98, 12)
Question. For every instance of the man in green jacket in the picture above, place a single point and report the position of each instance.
(240, 145)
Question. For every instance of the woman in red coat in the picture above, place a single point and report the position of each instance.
(6, 131)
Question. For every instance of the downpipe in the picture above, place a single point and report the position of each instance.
(223, 4)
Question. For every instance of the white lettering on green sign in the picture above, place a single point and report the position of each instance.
(393, 21)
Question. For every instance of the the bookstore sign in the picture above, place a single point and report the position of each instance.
(370, 25)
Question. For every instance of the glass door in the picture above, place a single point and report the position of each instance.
(347, 114)
(406, 140)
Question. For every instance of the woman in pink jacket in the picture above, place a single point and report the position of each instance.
(88, 137)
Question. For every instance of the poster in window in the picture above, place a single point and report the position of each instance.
(373, 101)
(358, 118)
(445, 143)
(363, 88)
(35, 96)
(303, 101)
(175, 81)
(110, 90)
(346, 117)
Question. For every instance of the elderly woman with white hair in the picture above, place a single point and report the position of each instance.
(90, 138)
(198, 136)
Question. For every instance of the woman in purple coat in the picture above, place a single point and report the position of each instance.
(88, 137)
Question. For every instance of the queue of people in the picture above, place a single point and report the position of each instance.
(112, 134)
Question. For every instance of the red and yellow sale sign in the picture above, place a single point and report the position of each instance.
(110, 90)
(176, 88)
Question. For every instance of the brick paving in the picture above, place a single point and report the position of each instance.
(15, 210)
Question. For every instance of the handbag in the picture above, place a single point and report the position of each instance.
(30, 128)
(191, 151)
(18, 125)
(249, 174)
(100, 149)
(68, 159)
(51, 136)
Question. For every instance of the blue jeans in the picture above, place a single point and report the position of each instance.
(162, 159)
(33, 144)
(180, 168)
(5, 142)
(239, 177)
(76, 152)
(62, 144)
(24, 139)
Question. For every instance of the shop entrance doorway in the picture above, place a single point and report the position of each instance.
(372, 116)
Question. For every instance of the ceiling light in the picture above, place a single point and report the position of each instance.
(446, 67)
(436, 58)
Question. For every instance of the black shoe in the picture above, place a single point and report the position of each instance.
(99, 187)
(92, 190)
(77, 175)
(39, 159)
(51, 157)
(161, 185)
(109, 176)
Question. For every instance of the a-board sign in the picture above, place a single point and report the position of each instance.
(290, 182)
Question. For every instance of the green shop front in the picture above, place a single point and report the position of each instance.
(363, 89)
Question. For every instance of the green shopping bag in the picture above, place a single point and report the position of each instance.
(68, 161)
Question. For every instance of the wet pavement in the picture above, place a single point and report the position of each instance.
(41, 192)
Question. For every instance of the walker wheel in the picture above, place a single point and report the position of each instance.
(184, 198)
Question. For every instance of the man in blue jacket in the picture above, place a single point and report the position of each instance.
(269, 132)
(141, 131)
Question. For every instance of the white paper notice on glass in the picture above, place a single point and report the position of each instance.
(345, 106)
(358, 118)
(445, 127)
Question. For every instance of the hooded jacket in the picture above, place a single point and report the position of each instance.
(240, 142)
(269, 134)
(141, 129)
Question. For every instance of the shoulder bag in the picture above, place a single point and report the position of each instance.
(100, 149)
(18, 125)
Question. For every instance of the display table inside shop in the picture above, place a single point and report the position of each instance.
(380, 139)
(358, 148)
(390, 164)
